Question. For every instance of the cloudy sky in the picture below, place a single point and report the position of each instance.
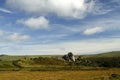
(43, 27)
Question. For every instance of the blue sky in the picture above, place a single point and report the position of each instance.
(43, 27)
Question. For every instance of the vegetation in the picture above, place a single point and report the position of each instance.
(51, 63)
(48, 61)
(85, 67)
(99, 61)
(108, 54)
(114, 77)
(109, 74)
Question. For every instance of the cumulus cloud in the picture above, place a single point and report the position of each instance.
(5, 10)
(64, 8)
(35, 23)
(93, 30)
(68, 8)
(17, 37)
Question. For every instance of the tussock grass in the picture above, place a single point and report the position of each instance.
(59, 75)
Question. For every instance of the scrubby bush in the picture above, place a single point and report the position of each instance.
(48, 61)
(15, 63)
(106, 61)
(81, 61)
(99, 61)
(114, 77)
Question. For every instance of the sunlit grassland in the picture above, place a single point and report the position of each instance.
(59, 75)
(87, 67)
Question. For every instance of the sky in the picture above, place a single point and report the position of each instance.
(56, 27)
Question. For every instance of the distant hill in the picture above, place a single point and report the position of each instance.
(11, 58)
(106, 54)
(55, 62)
(17, 57)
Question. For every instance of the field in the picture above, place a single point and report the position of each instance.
(104, 66)
(59, 75)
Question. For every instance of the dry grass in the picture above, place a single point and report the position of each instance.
(58, 75)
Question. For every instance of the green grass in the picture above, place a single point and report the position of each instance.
(109, 54)
(45, 62)
(106, 54)
(16, 57)
(6, 64)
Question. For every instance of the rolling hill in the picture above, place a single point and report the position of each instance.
(11, 58)
(107, 54)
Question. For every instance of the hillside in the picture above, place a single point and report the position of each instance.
(11, 58)
(53, 62)
(17, 57)
(107, 54)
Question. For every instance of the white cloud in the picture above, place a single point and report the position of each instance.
(35, 23)
(64, 8)
(68, 8)
(5, 10)
(93, 30)
(17, 37)
(97, 8)
(77, 47)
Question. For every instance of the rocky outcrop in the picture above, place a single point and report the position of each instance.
(69, 57)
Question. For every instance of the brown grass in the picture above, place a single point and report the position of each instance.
(58, 75)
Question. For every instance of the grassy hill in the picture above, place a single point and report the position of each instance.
(11, 58)
(53, 62)
(16, 57)
(107, 54)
